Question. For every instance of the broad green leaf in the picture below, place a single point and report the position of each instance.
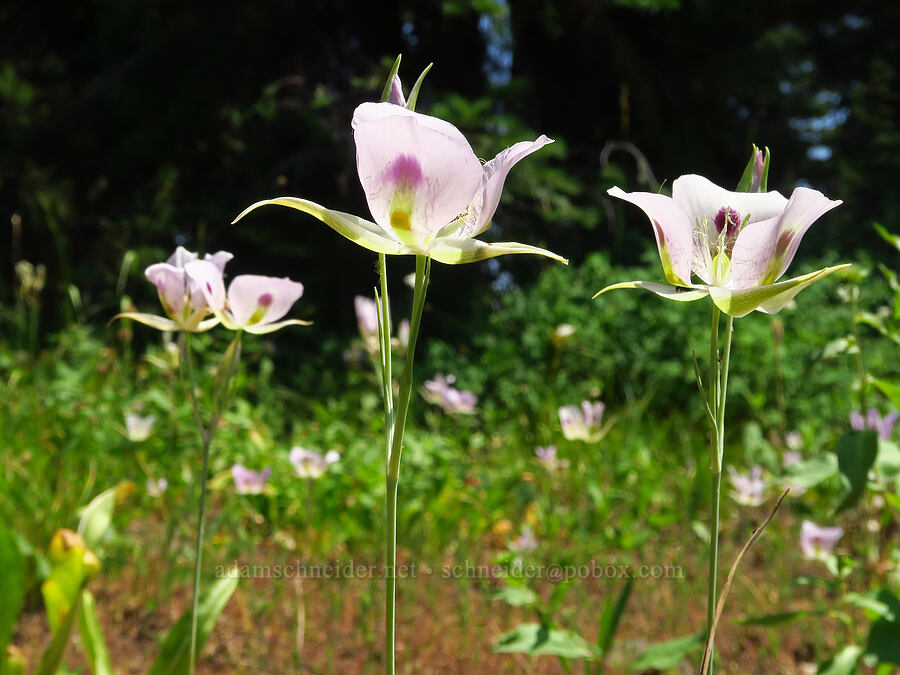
(12, 585)
(811, 472)
(856, 452)
(175, 654)
(53, 655)
(92, 636)
(769, 299)
(516, 596)
(680, 293)
(842, 663)
(456, 251)
(358, 230)
(669, 654)
(882, 603)
(612, 616)
(536, 639)
(884, 636)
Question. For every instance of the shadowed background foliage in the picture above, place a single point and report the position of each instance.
(143, 125)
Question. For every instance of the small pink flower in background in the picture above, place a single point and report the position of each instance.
(310, 464)
(547, 457)
(366, 318)
(582, 424)
(403, 335)
(874, 421)
(253, 303)
(248, 482)
(791, 457)
(818, 542)
(441, 392)
(748, 488)
(738, 244)
(525, 542)
(138, 428)
(156, 488)
(793, 440)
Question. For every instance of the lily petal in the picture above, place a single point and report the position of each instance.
(256, 300)
(701, 198)
(356, 229)
(455, 251)
(764, 250)
(396, 96)
(170, 284)
(208, 279)
(769, 299)
(674, 237)
(418, 172)
(487, 198)
(679, 293)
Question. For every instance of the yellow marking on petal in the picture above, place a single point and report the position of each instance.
(400, 220)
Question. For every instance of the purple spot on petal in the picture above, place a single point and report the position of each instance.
(265, 300)
(405, 172)
(209, 287)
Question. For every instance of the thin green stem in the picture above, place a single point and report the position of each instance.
(718, 376)
(206, 433)
(392, 474)
(860, 363)
(384, 326)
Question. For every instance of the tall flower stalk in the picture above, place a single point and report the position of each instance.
(738, 244)
(190, 290)
(430, 197)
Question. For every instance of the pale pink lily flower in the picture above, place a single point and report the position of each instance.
(403, 334)
(582, 424)
(526, 542)
(749, 489)
(738, 244)
(547, 457)
(156, 488)
(253, 303)
(248, 482)
(873, 420)
(428, 193)
(138, 428)
(441, 392)
(310, 464)
(818, 542)
(366, 317)
(183, 302)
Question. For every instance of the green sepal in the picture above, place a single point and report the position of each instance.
(746, 182)
(453, 251)
(679, 293)
(386, 92)
(414, 92)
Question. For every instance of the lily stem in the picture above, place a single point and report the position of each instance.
(206, 435)
(394, 433)
(718, 388)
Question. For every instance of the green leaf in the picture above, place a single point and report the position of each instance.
(12, 585)
(883, 603)
(612, 615)
(811, 472)
(889, 389)
(888, 461)
(669, 654)
(175, 653)
(536, 639)
(890, 238)
(856, 452)
(884, 636)
(776, 619)
(97, 515)
(516, 596)
(53, 655)
(842, 663)
(92, 636)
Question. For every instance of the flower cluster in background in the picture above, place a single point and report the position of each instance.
(440, 391)
(874, 421)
